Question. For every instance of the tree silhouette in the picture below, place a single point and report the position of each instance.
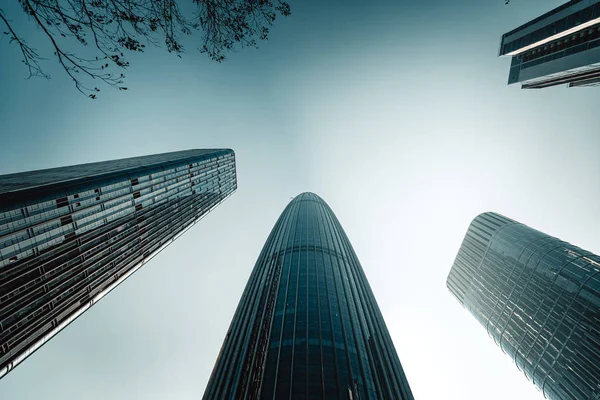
(114, 27)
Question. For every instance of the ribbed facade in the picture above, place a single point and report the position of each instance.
(70, 235)
(308, 326)
(538, 298)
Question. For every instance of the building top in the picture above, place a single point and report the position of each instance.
(17, 182)
(567, 19)
(308, 196)
(478, 237)
(545, 16)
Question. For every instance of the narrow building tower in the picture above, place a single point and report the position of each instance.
(70, 235)
(308, 325)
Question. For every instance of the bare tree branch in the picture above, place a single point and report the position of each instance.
(30, 56)
(115, 27)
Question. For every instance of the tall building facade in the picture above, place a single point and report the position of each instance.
(539, 300)
(307, 325)
(70, 235)
(559, 47)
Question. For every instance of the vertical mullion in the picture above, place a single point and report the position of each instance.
(335, 274)
(285, 235)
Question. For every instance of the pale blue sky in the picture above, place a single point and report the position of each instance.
(398, 115)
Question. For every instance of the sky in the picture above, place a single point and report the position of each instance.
(396, 113)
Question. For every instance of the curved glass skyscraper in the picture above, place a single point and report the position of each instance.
(308, 326)
(538, 298)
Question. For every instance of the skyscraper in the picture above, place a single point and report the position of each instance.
(559, 47)
(307, 325)
(538, 298)
(70, 235)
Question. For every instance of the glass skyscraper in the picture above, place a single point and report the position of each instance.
(539, 300)
(559, 47)
(307, 325)
(70, 235)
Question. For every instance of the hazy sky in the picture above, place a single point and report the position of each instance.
(397, 114)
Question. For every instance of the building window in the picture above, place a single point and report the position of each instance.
(62, 202)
